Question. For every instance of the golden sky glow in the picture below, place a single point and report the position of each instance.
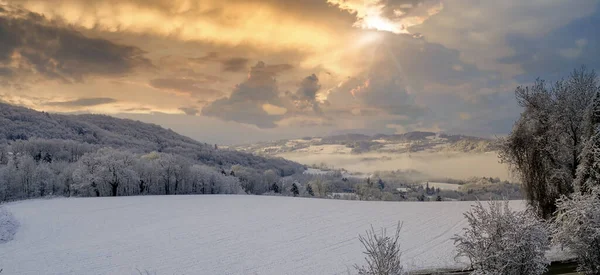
(283, 68)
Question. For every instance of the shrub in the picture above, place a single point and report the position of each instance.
(499, 240)
(382, 253)
(577, 226)
(8, 225)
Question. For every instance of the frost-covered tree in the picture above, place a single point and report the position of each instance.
(309, 190)
(577, 226)
(588, 172)
(382, 253)
(172, 170)
(44, 180)
(499, 240)
(85, 176)
(319, 187)
(545, 145)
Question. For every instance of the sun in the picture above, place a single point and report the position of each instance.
(379, 23)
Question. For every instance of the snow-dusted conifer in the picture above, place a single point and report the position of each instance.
(295, 191)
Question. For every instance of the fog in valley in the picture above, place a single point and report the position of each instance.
(434, 164)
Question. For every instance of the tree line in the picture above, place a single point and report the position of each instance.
(38, 168)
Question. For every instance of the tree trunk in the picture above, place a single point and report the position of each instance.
(113, 190)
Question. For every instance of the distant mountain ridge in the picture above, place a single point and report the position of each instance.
(359, 143)
(19, 123)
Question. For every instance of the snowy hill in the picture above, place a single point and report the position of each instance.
(436, 155)
(411, 142)
(20, 123)
(220, 235)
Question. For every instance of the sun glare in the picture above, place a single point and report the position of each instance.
(381, 24)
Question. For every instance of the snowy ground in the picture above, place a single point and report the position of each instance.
(220, 234)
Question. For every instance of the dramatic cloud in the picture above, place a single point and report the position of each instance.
(83, 102)
(554, 55)
(32, 45)
(228, 64)
(255, 101)
(235, 64)
(215, 21)
(394, 16)
(330, 66)
(479, 30)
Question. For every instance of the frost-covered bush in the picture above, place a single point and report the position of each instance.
(578, 228)
(382, 253)
(499, 240)
(8, 225)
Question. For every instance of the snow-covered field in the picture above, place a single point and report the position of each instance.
(220, 234)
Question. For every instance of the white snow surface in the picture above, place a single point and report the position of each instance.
(226, 234)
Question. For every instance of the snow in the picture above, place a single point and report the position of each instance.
(8, 225)
(313, 171)
(326, 149)
(221, 234)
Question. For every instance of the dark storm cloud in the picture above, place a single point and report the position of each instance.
(235, 64)
(305, 97)
(245, 104)
(228, 64)
(556, 54)
(83, 102)
(55, 51)
(209, 57)
(238, 64)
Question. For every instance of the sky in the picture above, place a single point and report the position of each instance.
(240, 71)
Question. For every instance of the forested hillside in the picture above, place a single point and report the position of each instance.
(45, 154)
(18, 123)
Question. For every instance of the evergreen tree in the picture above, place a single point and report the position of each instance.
(275, 187)
(295, 189)
(381, 184)
(309, 190)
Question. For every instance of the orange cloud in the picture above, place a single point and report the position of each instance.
(222, 22)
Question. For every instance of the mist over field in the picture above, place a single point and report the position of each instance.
(435, 164)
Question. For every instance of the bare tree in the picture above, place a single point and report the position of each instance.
(382, 253)
(546, 142)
